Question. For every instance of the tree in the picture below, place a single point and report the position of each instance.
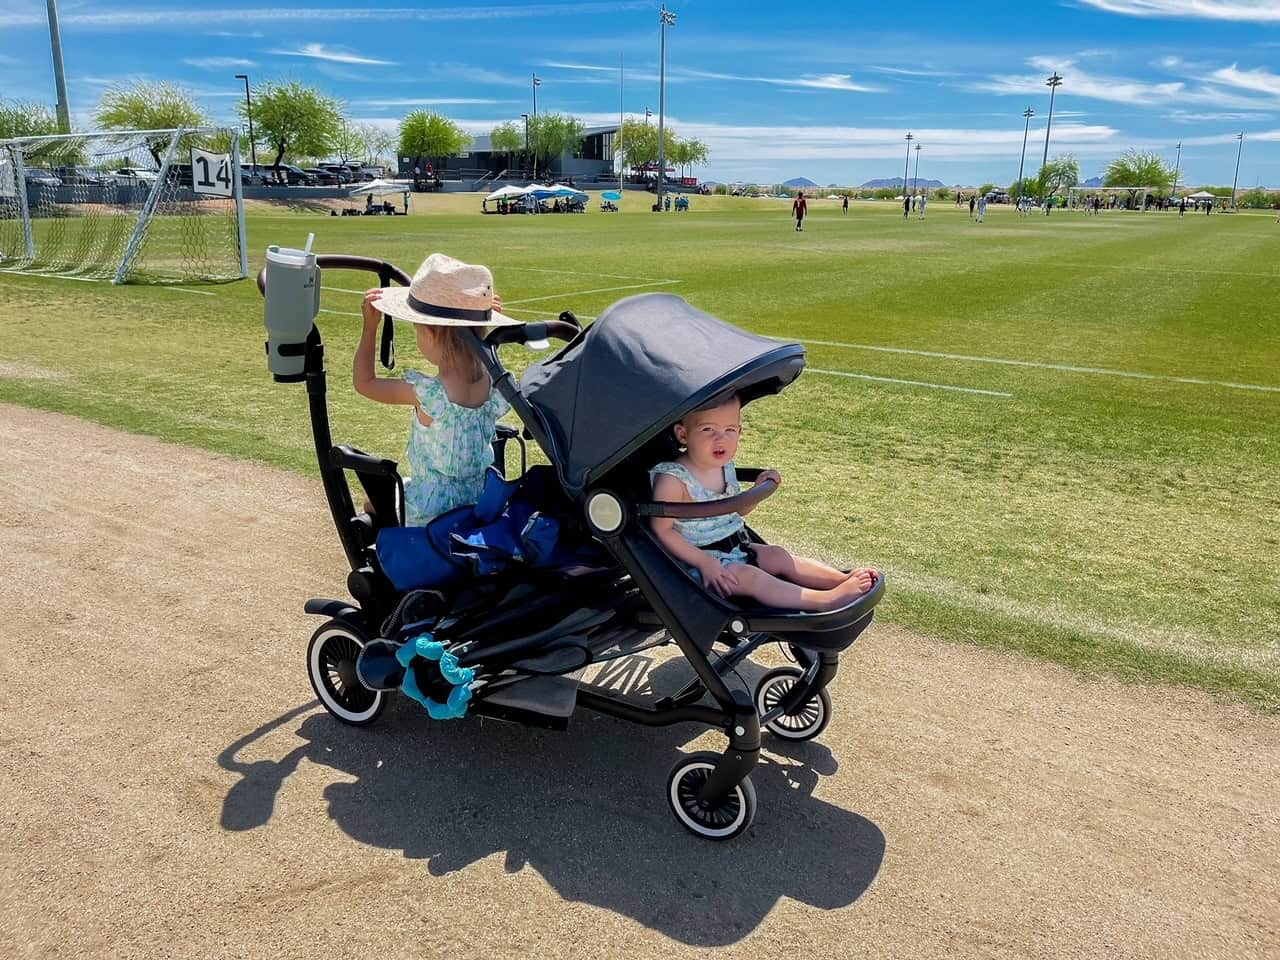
(685, 153)
(639, 144)
(425, 134)
(1138, 169)
(1060, 173)
(553, 134)
(141, 105)
(378, 143)
(294, 118)
(20, 118)
(349, 143)
(506, 138)
(985, 189)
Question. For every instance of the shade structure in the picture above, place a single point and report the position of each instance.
(646, 362)
(1202, 195)
(379, 188)
(507, 192)
(613, 195)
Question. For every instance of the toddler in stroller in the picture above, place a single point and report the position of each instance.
(510, 600)
(717, 551)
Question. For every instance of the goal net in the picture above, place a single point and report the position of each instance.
(150, 206)
(1127, 198)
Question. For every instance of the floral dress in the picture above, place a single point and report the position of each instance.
(709, 529)
(447, 460)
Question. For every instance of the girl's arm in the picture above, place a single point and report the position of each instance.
(363, 377)
(714, 575)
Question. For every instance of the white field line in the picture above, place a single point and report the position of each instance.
(543, 313)
(583, 273)
(909, 383)
(1063, 367)
(197, 293)
(583, 293)
(358, 293)
(51, 276)
(341, 313)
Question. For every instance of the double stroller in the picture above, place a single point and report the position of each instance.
(498, 610)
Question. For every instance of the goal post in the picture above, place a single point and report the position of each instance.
(129, 206)
(1135, 197)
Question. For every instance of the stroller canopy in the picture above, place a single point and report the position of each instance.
(646, 362)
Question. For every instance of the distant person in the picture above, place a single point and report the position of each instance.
(799, 207)
(906, 207)
(1048, 205)
(972, 201)
(845, 205)
(982, 208)
(666, 203)
(924, 202)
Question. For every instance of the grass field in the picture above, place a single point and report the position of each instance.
(1058, 435)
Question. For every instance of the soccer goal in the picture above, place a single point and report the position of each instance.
(140, 206)
(1130, 198)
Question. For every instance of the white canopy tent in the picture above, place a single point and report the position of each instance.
(380, 188)
(1202, 195)
(507, 193)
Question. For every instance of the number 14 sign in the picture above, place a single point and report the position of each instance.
(211, 173)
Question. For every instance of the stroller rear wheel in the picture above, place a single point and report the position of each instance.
(805, 721)
(732, 815)
(331, 666)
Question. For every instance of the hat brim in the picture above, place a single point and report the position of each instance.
(394, 301)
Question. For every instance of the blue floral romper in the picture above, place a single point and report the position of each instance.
(447, 460)
(710, 529)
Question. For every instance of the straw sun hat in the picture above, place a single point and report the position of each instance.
(445, 292)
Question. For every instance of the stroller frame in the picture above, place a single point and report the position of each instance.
(710, 794)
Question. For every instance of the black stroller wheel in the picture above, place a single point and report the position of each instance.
(331, 666)
(806, 721)
(724, 821)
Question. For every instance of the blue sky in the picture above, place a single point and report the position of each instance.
(818, 89)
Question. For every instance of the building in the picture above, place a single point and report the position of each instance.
(593, 160)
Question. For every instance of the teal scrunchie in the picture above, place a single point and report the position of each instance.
(429, 649)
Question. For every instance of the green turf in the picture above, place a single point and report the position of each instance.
(1126, 525)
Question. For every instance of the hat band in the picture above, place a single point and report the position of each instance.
(449, 313)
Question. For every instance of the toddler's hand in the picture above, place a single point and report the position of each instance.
(497, 302)
(773, 475)
(718, 578)
(371, 313)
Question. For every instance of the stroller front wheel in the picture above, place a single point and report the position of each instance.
(732, 815)
(805, 721)
(331, 667)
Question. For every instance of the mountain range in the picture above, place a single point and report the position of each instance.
(896, 183)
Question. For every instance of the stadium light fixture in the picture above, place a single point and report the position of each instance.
(1177, 164)
(915, 183)
(1028, 113)
(248, 112)
(666, 19)
(906, 164)
(1053, 83)
(1236, 180)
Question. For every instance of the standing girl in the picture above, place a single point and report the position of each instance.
(454, 412)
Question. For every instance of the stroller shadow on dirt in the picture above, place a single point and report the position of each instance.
(583, 808)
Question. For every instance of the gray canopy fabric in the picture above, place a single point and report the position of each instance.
(646, 361)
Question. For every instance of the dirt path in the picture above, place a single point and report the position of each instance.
(170, 788)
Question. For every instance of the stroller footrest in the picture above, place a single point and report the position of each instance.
(552, 698)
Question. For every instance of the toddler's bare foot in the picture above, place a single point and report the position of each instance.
(863, 579)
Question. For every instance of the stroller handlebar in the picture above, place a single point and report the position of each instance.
(533, 332)
(343, 261)
(742, 503)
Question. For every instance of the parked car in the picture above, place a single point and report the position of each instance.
(256, 176)
(344, 173)
(132, 176)
(325, 178)
(36, 177)
(87, 176)
(296, 176)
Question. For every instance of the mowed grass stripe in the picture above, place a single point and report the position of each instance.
(1110, 523)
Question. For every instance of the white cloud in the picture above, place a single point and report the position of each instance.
(318, 51)
(429, 102)
(1079, 83)
(218, 63)
(1184, 116)
(203, 17)
(1258, 80)
(825, 81)
(1256, 11)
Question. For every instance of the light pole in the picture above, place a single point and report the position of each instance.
(906, 164)
(59, 75)
(1053, 83)
(915, 182)
(666, 19)
(1028, 113)
(1235, 180)
(647, 114)
(526, 136)
(1176, 165)
(536, 84)
(248, 113)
